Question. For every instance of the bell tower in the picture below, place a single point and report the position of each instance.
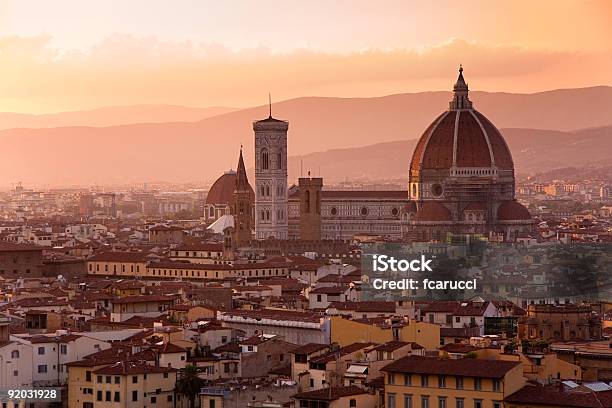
(242, 208)
(271, 178)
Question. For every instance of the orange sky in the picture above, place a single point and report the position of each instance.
(67, 55)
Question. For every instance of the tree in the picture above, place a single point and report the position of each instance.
(189, 383)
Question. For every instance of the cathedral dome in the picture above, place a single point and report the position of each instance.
(433, 211)
(512, 210)
(222, 190)
(461, 137)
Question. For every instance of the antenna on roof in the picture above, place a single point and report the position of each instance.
(270, 103)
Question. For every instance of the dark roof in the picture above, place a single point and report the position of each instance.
(144, 299)
(115, 256)
(467, 367)
(554, 396)
(394, 345)
(10, 247)
(342, 351)
(330, 394)
(365, 306)
(309, 348)
(202, 246)
(133, 367)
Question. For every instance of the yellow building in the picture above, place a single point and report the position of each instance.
(425, 382)
(81, 382)
(336, 397)
(345, 332)
(117, 264)
(103, 383)
(136, 264)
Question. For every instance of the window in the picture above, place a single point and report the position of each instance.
(117, 397)
(457, 319)
(15, 354)
(117, 379)
(352, 403)
(497, 404)
(63, 348)
(108, 379)
(153, 400)
(407, 380)
(390, 400)
(477, 403)
(169, 399)
(424, 381)
(459, 403)
(459, 383)
(134, 379)
(391, 379)
(41, 351)
(264, 159)
(407, 401)
(108, 395)
(88, 376)
(441, 402)
(477, 384)
(441, 381)
(99, 396)
(496, 385)
(134, 395)
(42, 369)
(424, 401)
(99, 379)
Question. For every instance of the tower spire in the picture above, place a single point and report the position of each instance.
(242, 182)
(270, 104)
(460, 91)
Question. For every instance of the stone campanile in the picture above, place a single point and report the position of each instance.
(271, 178)
(310, 207)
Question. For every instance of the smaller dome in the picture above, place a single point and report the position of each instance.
(433, 211)
(512, 211)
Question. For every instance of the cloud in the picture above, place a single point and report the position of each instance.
(125, 69)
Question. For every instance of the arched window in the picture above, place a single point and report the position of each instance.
(265, 164)
(267, 191)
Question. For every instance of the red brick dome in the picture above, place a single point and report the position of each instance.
(512, 210)
(461, 137)
(222, 190)
(433, 211)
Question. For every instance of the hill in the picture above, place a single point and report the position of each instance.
(110, 116)
(201, 150)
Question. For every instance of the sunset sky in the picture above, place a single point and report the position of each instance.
(70, 55)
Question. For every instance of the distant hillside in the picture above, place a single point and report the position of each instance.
(198, 151)
(110, 116)
(533, 151)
